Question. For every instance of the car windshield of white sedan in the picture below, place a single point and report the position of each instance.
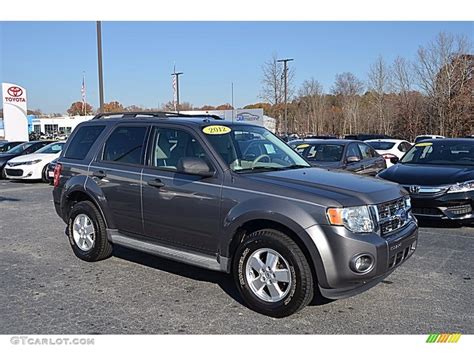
(441, 153)
(52, 148)
(381, 145)
(252, 148)
(19, 148)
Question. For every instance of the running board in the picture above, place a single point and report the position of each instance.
(200, 260)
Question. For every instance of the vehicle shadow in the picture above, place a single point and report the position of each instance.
(438, 224)
(224, 281)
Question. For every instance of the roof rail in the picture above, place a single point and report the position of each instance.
(157, 114)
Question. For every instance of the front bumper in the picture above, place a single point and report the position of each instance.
(337, 247)
(444, 206)
(23, 172)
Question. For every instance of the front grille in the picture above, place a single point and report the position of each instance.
(398, 257)
(427, 211)
(392, 216)
(15, 164)
(14, 172)
(460, 210)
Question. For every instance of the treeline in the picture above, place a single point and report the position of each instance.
(432, 94)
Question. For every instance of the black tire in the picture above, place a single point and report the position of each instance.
(2, 175)
(301, 290)
(44, 177)
(101, 248)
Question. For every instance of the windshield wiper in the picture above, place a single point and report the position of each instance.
(260, 168)
(297, 166)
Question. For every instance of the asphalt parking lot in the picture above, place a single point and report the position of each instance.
(46, 289)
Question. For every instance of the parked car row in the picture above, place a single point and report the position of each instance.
(29, 160)
(438, 172)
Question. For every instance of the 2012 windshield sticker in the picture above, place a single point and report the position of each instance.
(216, 129)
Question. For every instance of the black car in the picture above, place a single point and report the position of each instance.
(354, 156)
(21, 149)
(6, 146)
(366, 136)
(439, 175)
(229, 197)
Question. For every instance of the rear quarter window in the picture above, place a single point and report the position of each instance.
(82, 142)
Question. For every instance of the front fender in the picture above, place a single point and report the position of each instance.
(291, 215)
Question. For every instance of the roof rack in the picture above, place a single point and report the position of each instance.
(156, 114)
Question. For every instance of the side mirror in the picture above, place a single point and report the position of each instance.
(194, 166)
(352, 159)
(394, 160)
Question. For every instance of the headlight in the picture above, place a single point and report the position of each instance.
(356, 219)
(32, 162)
(462, 187)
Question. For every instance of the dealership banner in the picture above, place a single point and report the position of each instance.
(15, 123)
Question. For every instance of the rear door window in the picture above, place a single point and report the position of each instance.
(125, 145)
(82, 142)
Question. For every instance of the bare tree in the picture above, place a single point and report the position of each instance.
(311, 108)
(444, 70)
(348, 88)
(379, 84)
(273, 80)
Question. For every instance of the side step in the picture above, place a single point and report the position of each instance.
(187, 257)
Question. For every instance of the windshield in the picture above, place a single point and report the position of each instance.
(381, 145)
(249, 148)
(52, 148)
(322, 152)
(19, 148)
(441, 153)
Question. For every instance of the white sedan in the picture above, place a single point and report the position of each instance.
(33, 166)
(390, 148)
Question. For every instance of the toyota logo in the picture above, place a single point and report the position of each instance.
(414, 189)
(15, 91)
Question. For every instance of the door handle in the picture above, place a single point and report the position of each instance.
(156, 183)
(99, 174)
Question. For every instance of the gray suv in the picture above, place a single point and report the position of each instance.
(230, 197)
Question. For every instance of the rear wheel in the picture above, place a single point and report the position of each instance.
(87, 232)
(272, 274)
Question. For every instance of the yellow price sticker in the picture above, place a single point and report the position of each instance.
(301, 146)
(216, 129)
(426, 144)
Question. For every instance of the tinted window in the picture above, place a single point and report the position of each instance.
(404, 147)
(441, 153)
(321, 152)
(381, 145)
(353, 151)
(125, 145)
(82, 142)
(366, 151)
(20, 148)
(170, 145)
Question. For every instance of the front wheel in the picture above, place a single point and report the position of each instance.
(272, 274)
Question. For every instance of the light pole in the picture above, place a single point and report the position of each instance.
(232, 94)
(99, 58)
(176, 78)
(285, 73)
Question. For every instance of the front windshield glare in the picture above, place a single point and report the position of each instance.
(440, 153)
(249, 148)
(19, 148)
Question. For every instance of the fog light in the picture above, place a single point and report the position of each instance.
(362, 263)
(413, 246)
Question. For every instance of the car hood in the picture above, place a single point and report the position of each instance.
(428, 175)
(326, 187)
(34, 156)
(326, 164)
(6, 157)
